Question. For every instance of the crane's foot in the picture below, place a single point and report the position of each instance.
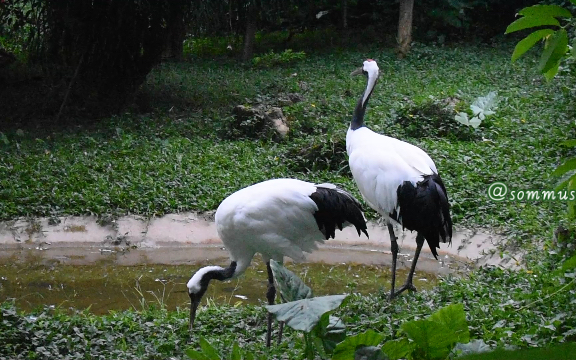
(407, 286)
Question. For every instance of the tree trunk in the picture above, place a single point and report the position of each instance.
(176, 30)
(177, 37)
(344, 6)
(405, 27)
(250, 35)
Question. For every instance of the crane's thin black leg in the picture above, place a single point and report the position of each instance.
(280, 331)
(270, 295)
(394, 248)
(408, 285)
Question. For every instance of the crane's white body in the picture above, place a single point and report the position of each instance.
(399, 180)
(380, 164)
(277, 218)
(274, 218)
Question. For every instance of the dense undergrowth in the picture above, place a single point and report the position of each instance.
(174, 152)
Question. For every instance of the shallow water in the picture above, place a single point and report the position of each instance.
(110, 282)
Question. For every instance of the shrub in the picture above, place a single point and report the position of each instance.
(434, 118)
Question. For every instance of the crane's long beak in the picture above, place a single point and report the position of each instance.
(358, 71)
(193, 307)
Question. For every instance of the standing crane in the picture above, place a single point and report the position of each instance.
(277, 218)
(398, 180)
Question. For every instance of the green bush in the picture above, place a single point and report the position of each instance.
(434, 119)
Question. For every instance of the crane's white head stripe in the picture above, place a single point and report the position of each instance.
(372, 69)
(194, 282)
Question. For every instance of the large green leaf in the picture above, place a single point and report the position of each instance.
(545, 10)
(290, 286)
(347, 348)
(331, 330)
(569, 143)
(563, 183)
(454, 318)
(195, 355)
(236, 353)
(531, 21)
(555, 50)
(484, 106)
(549, 75)
(431, 338)
(208, 350)
(568, 165)
(529, 41)
(304, 314)
(398, 349)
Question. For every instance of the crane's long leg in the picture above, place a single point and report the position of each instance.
(270, 295)
(408, 285)
(394, 248)
(280, 332)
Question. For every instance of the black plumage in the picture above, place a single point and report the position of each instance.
(336, 207)
(424, 208)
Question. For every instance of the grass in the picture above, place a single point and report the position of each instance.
(179, 155)
(176, 151)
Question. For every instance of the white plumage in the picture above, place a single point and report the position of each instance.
(398, 180)
(274, 218)
(380, 164)
(277, 218)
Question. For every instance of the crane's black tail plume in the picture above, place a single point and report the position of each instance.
(425, 208)
(335, 208)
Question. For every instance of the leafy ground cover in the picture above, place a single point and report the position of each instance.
(176, 151)
(177, 154)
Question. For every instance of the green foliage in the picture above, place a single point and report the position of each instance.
(528, 308)
(290, 286)
(568, 171)
(304, 314)
(347, 348)
(556, 41)
(529, 41)
(318, 153)
(271, 58)
(323, 338)
(555, 51)
(482, 107)
(434, 119)
(168, 146)
(432, 338)
(312, 315)
(209, 352)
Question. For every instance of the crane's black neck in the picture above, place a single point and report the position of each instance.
(360, 110)
(219, 274)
